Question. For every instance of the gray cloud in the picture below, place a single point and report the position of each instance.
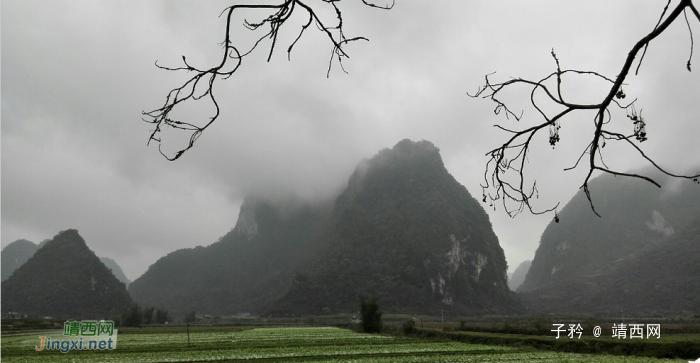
(76, 76)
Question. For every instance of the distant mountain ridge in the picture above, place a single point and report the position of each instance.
(245, 270)
(116, 270)
(18, 252)
(65, 279)
(15, 255)
(403, 230)
(518, 276)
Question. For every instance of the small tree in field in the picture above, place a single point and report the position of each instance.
(371, 315)
(161, 316)
(148, 315)
(131, 316)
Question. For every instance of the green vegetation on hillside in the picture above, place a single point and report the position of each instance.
(641, 258)
(244, 271)
(64, 279)
(405, 231)
(18, 252)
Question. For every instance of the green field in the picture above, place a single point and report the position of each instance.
(211, 344)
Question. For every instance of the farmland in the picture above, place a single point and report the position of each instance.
(210, 344)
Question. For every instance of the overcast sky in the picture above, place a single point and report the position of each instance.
(76, 76)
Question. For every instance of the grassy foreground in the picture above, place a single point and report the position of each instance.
(207, 344)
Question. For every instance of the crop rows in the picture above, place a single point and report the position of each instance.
(288, 344)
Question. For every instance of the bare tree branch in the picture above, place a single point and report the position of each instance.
(692, 43)
(515, 149)
(232, 58)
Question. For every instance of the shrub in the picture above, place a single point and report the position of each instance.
(190, 317)
(462, 325)
(131, 316)
(409, 326)
(371, 315)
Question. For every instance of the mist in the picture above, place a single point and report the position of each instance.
(77, 76)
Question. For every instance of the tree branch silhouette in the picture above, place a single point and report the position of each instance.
(232, 58)
(504, 177)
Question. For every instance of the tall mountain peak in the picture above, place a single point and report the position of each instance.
(65, 279)
(403, 229)
(407, 232)
(408, 149)
(405, 152)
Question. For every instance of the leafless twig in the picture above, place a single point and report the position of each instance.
(232, 58)
(504, 177)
